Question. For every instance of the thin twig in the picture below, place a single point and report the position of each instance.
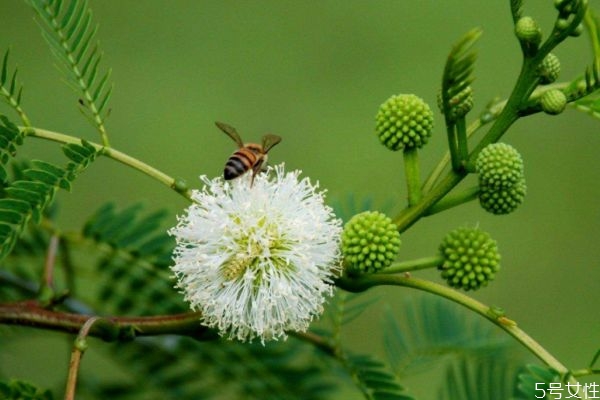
(51, 262)
(32, 313)
(79, 346)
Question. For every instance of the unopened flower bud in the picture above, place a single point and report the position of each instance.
(370, 242)
(553, 101)
(403, 121)
(499, 165)
(471, 258)
(502, 201)
(528, 31)
(549, 69)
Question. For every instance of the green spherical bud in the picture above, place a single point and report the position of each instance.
(180, 185)
(370, 242)
(549, 69)
(504, 200)
(565, 7)
(562, 24)
(460, 104)
(553, 101)
(528, 31)
(471, 258)
(499, 165)
(577, 31)
(404, 120)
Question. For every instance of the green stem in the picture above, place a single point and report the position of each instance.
(593, 34)
(412, 173)
(439, 168)
(462, 143)
(110, 153)
(585, 372)
(366, 281)
(453, 200)
(413, 265)
(410, 215)
(453, 145)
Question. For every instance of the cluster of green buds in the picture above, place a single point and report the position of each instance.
(459, 105)
(470, 258)
(501, 178)
(566, 8)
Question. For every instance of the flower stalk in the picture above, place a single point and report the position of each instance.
(365, 282)
(454, 200)
(116, 155)
(413, 265)
(412, 174)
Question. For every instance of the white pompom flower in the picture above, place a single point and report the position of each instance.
(257, 260)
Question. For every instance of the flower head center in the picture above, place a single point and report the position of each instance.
(259, 245)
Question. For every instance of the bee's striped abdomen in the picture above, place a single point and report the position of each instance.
(239, 162)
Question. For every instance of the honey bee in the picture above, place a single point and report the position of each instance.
(248, 156)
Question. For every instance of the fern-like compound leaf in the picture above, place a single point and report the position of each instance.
(134, 274)
(584, 92)
(70, 32)
(458, 72)
(10, 89)
(489, 377)
(287, 371)
(437, 328)
(10, 138)
(374, 380)
(29, 195)
(534, 381)
(21, 390)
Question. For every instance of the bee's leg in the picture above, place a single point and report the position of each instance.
(258, 167)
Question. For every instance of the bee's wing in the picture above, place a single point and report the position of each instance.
(231, 132)
(269, 141)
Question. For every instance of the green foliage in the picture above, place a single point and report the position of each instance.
(431, 328)
(458, 72)
(26, 199)
(369, 374)
(585, 91)
(10, 138)
(373, 379)
(184, 369)
(19, 390)
(533, 380)
(135, 266)
(70, 32)
(344, 308)
(10, 89)
(488, 378)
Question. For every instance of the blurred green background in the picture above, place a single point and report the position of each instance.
(315, 74)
